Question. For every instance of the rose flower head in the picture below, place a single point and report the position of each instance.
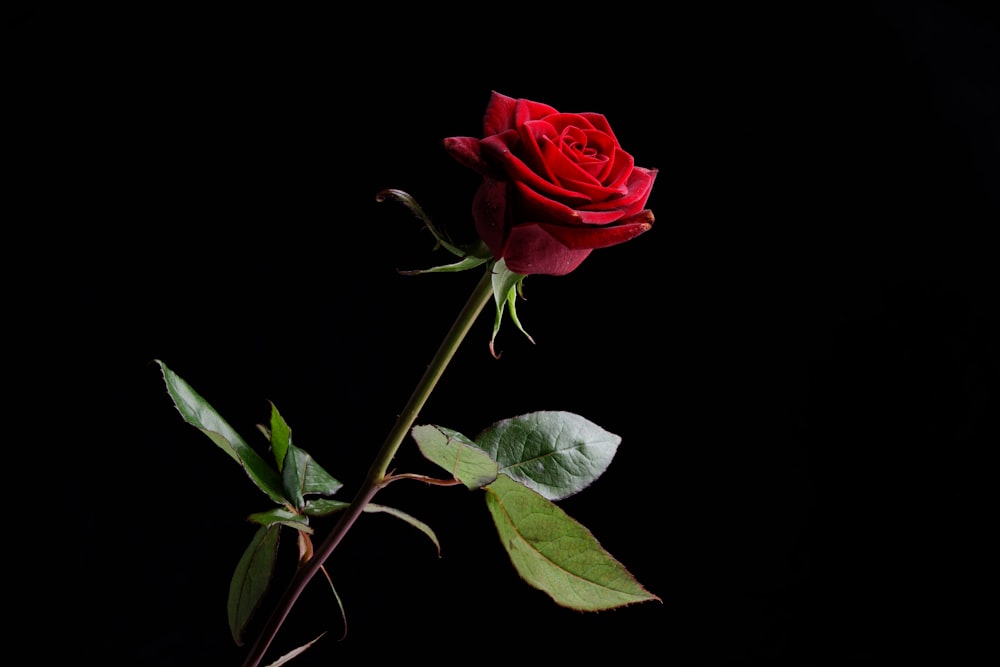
(555, 186)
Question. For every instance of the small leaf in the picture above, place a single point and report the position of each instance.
(303, 476)
(280, 436)
(317, 481)
(555, 554)
(323, 506)
(293, 474)
(196, 411)
(416, 523)
(280, 515)
(555, 453)
(251, 579)
(457, 454)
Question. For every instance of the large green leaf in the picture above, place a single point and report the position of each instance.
(557, 555)
(251, 579)
(555, 453)
(457, 454)
(196, 411)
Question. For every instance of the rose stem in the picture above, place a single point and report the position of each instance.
(376, 474)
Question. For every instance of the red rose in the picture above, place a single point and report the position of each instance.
(555, 186)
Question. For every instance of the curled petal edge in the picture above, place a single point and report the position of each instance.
(592, 238)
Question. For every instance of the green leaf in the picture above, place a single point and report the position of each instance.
(451, 450)
(317, 481)
(303, 476)
(323, 506)
(399, 514)
(196, 411)
(251, 579)
(555, 453)
(280, 515)
(293, 475)
(280, 435)
(555, 554)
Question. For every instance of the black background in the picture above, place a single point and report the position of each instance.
(800, 356)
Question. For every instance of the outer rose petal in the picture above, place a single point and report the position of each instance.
(499, 115)
(531, 249)
(544, 248)
(526, 110)
(535, 206)
(489, 210)
(506, 113)
(468, 152)
(602, 237)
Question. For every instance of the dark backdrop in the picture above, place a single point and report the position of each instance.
(799, 356)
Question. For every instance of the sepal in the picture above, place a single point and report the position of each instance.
(507, 286)
(469, 255)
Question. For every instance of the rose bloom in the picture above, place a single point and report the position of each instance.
(555, 186)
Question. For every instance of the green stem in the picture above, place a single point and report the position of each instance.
(376, 477)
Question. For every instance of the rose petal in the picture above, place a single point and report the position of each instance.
(527, 110)
(599, 122)
(594, 237)
(640, 185)
(489, 211)
(533, 205)
(496, 150)
(531, 249)
(468, 152)
(619, 170)
(499, 115)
